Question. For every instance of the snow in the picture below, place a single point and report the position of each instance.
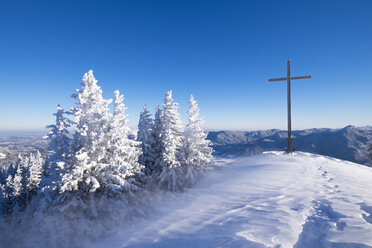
(267, 200)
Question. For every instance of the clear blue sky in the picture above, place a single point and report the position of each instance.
(222, 52)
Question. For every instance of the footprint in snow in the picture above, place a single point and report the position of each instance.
(368, 215)
(316, 230)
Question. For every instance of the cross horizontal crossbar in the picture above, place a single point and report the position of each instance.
(291, 78)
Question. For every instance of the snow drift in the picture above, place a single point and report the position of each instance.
(268, 200)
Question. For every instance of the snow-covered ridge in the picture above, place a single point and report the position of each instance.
(348, 143)
(267, 200)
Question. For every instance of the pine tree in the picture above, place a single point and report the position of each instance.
(170, 176)
(122, 153)
(20, 183)
(59, 136)
(92, 119)
(146, 136)
(35, 169)
(196, 153)
(12, 169)
(3, 177)
(8, 202)
(58, 150)
(157, 134)
(5, 191)
(7, 188)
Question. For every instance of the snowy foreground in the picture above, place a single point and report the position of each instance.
(268, 200)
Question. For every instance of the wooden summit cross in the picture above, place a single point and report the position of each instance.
(288, 79)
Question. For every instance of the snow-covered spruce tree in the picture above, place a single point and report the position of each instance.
(170, 172)
(92, 119)
(196, 153)
(3, 177)
(120, 164)
(157, 146)
(12, 169)
(58, 150)
(20, 183)
(7, 200)
(146, 136)
(35, 169)
(104, 159)
(23, 184)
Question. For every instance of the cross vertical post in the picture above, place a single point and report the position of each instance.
(289, 148)
(289, 140)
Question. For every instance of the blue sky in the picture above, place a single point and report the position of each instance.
(222, 52)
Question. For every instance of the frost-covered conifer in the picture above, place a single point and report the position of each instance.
(157, 146)
(146, 136)
(196, 152)
(7, 188)
(104, 157)
(20, 183)
(92, 119)
(122, 153)
(35, 169)
(23, 184)
(2, 176)
(58, 149)
(170, 176)
(12, 169)
(59, 136)
(8, 202)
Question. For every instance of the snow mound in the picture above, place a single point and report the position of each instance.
(2, 155)
(268, 200)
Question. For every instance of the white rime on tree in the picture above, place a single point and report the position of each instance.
(170, 176)
(58, 149)
(103, 157)
(7, 203)
(122, 153)
(35, 169)
(157, 147)
(91, 118)
(196, 153)
(20, 183)
(59, 136)
(146, 136)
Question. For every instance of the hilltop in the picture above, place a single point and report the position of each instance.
(267, 200)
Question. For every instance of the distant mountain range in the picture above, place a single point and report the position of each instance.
(348, 143)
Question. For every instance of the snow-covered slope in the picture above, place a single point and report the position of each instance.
(348, 143)
(267, 200)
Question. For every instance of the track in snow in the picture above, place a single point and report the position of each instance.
(268, 200)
